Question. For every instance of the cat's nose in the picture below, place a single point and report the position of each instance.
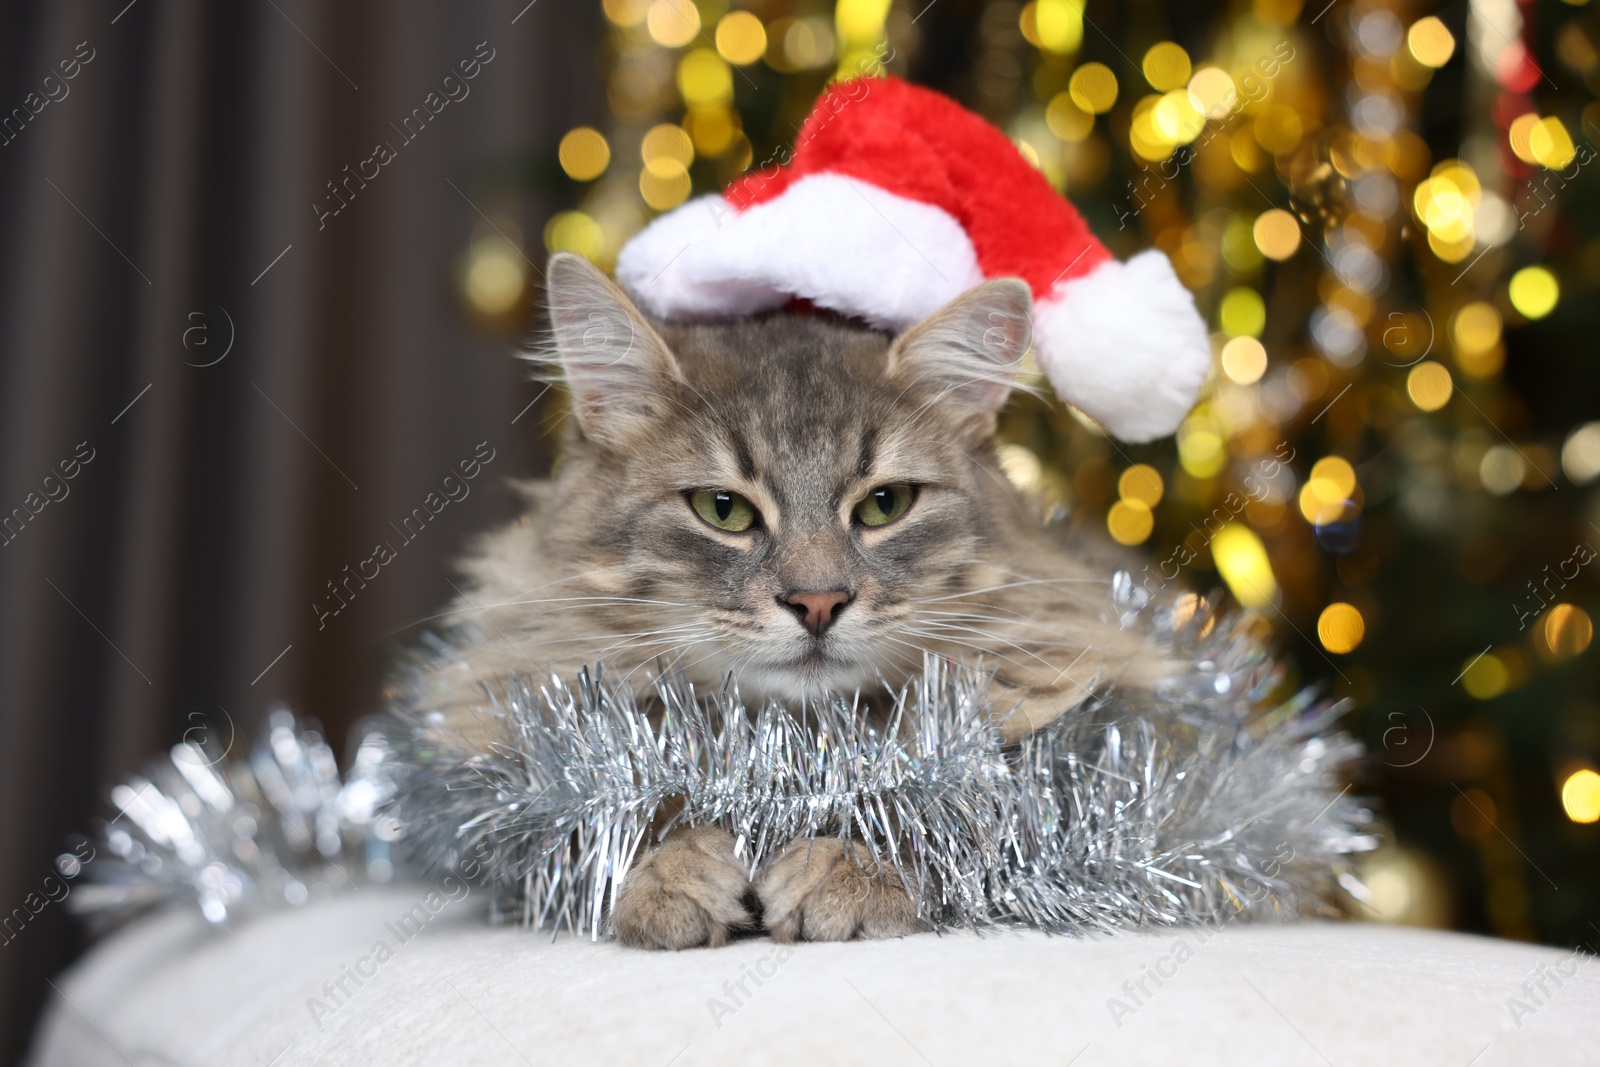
(816, 611)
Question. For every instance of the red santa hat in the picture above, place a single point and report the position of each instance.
(897, 200)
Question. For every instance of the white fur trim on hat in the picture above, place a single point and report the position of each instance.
(1123, 342)
(843, 244)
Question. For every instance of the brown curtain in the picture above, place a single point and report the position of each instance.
(157, 208)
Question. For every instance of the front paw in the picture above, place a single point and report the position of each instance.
(689, 890)
(814, 890)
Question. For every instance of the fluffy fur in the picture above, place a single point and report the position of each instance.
(887, 258)
(804, 415)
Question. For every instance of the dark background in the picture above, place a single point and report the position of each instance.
(189, 551)
(164, 209)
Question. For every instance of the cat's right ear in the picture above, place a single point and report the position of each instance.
(617, 368)
(968, 352)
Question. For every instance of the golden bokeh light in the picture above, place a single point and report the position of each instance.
(1279, 129)
(1340, 628)
(626, 13)
(1485, 677)
(797, 44)
(1066, 119)
(1142, 483)
(1277, 234)
(664, 183)
(1430, 42)
(1166, 66)
(496, 276)
(1212, 92)
(667, 141)
(1093, 88)
(1200, 449)
(711, 129)
(1502, 469)
(1580, 796)
(1520, 135)
(860, 22)
(1021, 467)
(705, 79)
(1337, 473)
(584, 153)
(1242, 313)
(1326, 496)
(1403, 886)
(1176, 119)
(1451, 249)
(1242, 561)
(1129, 522)
(574, 231)
(1244, 360)
(1533, 291)
(1580, 455)
(1144, 136)
(1551, 144)
(1446, 203)
(1321, 503)
(1475, 329)
(1564, 632)
(1429, 385)
(673, 23)
(741, 39)
(1058, 24)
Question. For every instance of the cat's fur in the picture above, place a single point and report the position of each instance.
(804, 414)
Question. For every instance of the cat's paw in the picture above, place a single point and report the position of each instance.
(814, 890)
(689, 890)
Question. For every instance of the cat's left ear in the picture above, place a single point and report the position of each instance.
(616, 366)
(969, 351)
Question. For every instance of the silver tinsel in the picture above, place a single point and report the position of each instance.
(1204, 802)
(276, 826)
(1201, 803)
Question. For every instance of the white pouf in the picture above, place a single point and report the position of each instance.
(445, 989)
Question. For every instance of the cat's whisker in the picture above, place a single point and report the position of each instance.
(972, 616)
(1011, 585)
(946, 633)
(670, 655)
(691, 631)
(622, 641)
(978, 651)
(463, 610)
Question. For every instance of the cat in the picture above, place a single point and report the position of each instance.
(806, 505)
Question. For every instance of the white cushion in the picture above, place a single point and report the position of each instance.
(167, 991)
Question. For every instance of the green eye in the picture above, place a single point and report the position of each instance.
(724, 510)
(885, 504)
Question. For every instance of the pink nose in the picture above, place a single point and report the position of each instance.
(816, 611)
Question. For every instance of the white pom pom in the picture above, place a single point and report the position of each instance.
(1126, 344)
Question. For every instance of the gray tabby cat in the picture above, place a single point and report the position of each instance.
(806, 505)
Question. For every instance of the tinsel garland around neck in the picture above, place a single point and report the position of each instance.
(1203, 802)
(1200, 803)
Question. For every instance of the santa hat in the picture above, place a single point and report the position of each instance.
(896, 200)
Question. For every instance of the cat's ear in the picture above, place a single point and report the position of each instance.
(969, 351)
(617, 368)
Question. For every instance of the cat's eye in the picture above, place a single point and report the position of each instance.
(724, 510)
(885, 504)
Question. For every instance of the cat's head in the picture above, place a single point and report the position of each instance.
(803, 502)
